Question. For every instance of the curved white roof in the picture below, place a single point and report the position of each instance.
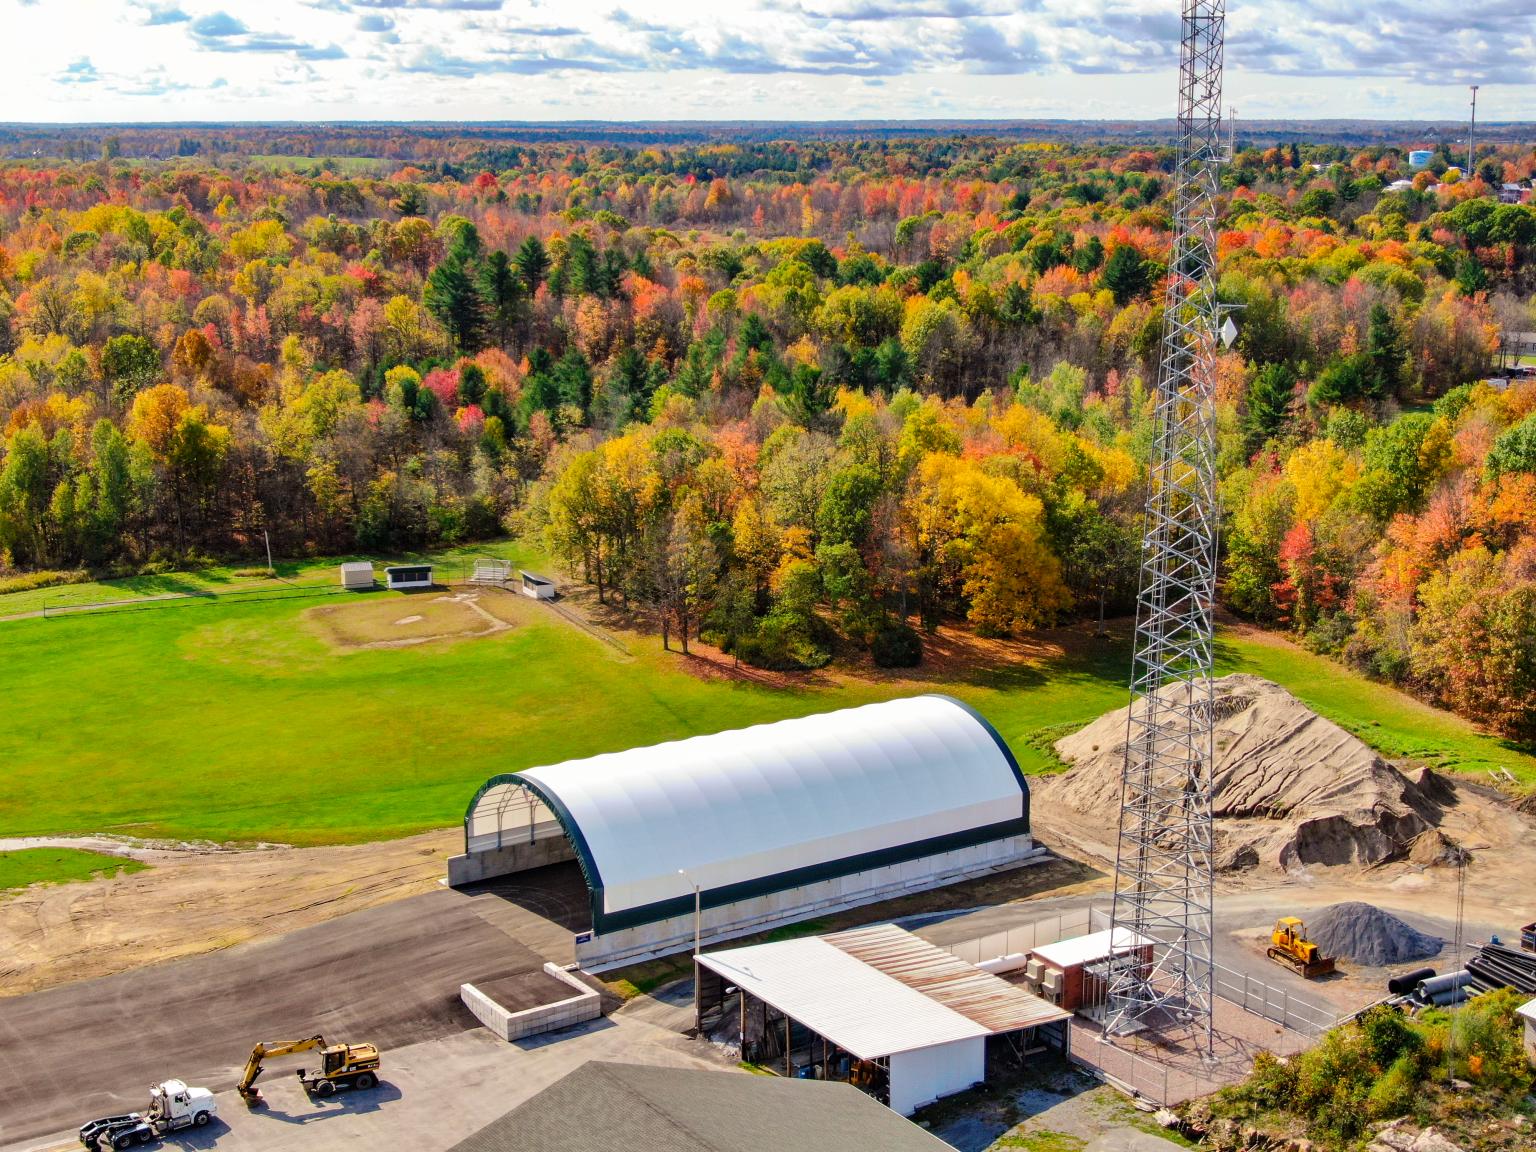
(738, 808)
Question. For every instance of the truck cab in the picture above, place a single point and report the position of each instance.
(174, 1105)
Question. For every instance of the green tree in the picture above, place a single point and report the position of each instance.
(1126, 274)
(129, 363)
(1268, 405)
(500, 287)
(1387, 353)
(532, 263)
(846, 514)
(454, 298)
(1514, 450)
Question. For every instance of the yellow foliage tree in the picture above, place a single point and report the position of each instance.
(985, 538)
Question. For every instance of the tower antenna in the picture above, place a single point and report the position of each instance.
(1472, 130)
(1163, 868)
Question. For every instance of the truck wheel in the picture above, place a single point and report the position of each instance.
(122, 1142)
(201, 1119)
(364, 1080)
(324, 1087)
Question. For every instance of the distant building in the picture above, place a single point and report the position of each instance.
(603, 1107)
(357, 575)
(1420, 158)
(1513, 193)
(1400, 186)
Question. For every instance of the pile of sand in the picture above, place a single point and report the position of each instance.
(1291, 789)
(1367, 935)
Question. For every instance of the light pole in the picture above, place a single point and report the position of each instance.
(1463, 858)
(696, 925)
(1472, 131)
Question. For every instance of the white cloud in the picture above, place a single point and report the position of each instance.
(778, 58)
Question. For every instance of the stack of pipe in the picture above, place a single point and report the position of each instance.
(1496, 966)
(1443, 990)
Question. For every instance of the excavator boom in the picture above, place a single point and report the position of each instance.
(246, 1087)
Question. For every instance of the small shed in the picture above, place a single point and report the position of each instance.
(1527, 1013)
(356, 575)
(538, 587)
(1071, 972)
(404, 576)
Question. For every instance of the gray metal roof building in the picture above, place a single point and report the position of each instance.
(604, 1107)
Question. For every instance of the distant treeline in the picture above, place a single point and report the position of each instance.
(419, 141)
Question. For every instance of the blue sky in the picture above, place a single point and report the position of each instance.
(747, 59)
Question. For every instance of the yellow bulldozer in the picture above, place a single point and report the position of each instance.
(1288, 945)
(341, 1065)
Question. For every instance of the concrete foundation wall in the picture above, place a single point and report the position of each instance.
(468, 868)
(585, 1005)
(597, 953)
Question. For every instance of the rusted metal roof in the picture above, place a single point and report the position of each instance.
(979, 996)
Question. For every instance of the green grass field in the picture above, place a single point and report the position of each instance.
(27, 866)
(235, 720)
(343, 165)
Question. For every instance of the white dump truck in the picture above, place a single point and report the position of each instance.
(172, 1107)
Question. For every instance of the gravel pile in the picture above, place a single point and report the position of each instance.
(1291, 788)
(1367, 935)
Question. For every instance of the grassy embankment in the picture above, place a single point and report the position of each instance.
(28, 866)
(236, 720)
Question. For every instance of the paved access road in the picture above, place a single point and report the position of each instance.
(432, 1094)
(388, 975)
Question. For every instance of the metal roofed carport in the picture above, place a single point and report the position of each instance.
(910, 1013)
(764, 825)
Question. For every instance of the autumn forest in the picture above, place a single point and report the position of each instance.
(799, 398)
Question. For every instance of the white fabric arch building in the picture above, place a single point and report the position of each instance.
(769, 824)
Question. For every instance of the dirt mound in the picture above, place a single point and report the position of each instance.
(1367, 935)
(1527, 805)
(1433, 847)
(1291, 789)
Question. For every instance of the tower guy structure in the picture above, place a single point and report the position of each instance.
(1163, 868)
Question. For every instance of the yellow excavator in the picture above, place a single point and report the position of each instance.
(1288, 945)
(341, 1065)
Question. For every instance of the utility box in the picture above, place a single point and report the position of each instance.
(357, 575)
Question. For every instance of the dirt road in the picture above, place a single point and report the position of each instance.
(389, 975)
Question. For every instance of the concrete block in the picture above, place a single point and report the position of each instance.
(585, 1004)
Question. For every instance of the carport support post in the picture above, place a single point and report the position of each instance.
(789, 1070)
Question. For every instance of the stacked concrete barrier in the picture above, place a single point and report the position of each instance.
(578, 1009)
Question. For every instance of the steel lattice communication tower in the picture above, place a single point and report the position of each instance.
(1163, 860)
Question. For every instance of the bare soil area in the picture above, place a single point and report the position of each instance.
(421, 619)
(195, 900)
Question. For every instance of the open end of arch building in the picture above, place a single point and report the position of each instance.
(762, 826)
